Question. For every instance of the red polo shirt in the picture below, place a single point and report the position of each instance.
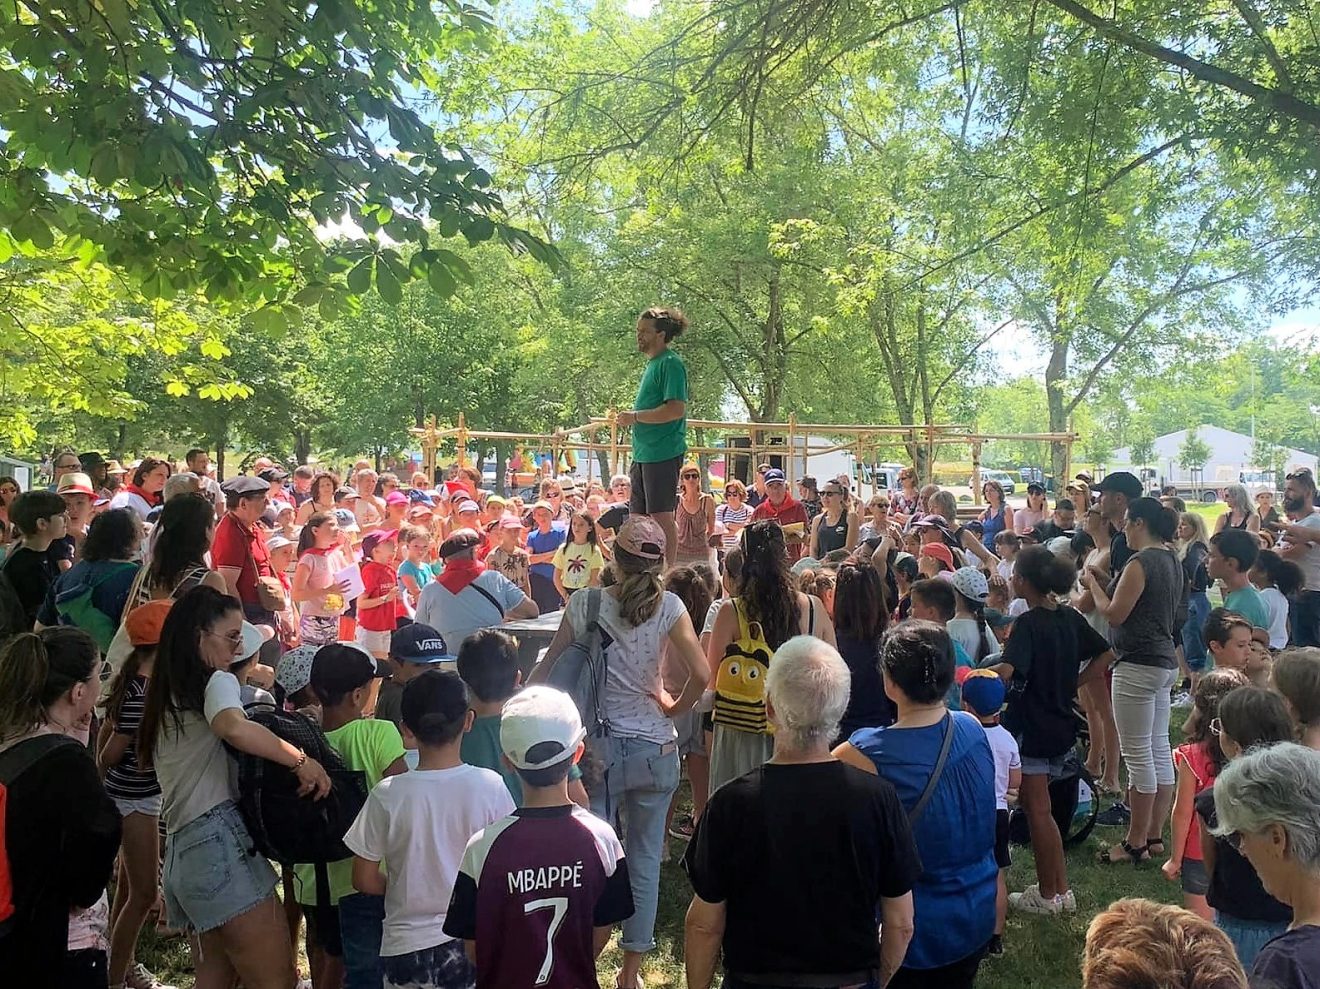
(243, 549)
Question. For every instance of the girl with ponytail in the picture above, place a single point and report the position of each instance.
(639, 619)
(61, 830)
(766, 612)
(1049, 644)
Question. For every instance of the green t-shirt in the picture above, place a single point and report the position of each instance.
(370, 745)
(664, 380)
(481, 748)
(1248, 603)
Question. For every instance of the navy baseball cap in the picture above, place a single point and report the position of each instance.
(983, 691)
(418, 497)
(418, 643)
(774, 474)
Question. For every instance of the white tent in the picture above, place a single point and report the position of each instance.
(1230, 453)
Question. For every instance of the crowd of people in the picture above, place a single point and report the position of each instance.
(860, 692)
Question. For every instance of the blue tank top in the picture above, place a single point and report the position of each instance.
(991, 526)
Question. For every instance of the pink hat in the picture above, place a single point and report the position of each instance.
(641, 536)
(468, 506)
(510, 521)
(396, 498)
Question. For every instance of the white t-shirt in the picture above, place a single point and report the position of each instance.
(192, 765)
(1310, 560)
(964, 631)
(1278, 609)
(712, 613)
(133, 500)
(632, 673)
(418, 824)
(1005, 569)
(456, 616)
(1005, 750)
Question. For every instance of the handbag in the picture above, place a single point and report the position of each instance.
(270, 592)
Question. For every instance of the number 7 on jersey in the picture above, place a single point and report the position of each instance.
(559, 904)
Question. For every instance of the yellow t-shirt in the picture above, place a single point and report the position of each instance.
(575, 561)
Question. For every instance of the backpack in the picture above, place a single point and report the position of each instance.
(285, 827)
(580, 669)
(740, 680)
(74, 605)
(13, 616)
(14, 762)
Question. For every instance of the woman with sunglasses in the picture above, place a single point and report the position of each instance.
(1026, 519)
(694, 518)
(878, 522)
(906, 501)
(835, 527)
(734, 514)
(214, 886)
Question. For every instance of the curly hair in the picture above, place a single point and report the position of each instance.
(1138, 943)
(766, 584)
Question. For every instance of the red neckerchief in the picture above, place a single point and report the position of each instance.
(320, 552)
(459, 573)
(151, 499)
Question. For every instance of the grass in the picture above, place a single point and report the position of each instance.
(1039, 952)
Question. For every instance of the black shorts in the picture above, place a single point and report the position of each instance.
(323, 929)
(1002, 857)
(655, 487)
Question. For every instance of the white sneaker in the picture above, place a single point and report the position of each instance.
(140, 977)
(1181, 700)
(1030, 901)
(1070, 902)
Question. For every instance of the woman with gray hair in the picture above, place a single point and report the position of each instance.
(783, 918)
(1240, 514)
(1268, 803)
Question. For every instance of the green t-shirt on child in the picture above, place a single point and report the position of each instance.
(371, 746)
(481, 748)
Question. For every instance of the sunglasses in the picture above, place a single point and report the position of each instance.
(1301, 473)
(831, 492)
(691, 476)
(1215, 727)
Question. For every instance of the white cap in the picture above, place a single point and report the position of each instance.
(535, 715)
(253, 639)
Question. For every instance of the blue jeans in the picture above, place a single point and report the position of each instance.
(1198, 610)
(639, 779)
(361, 919)
(1248, 936)
(1305, 619)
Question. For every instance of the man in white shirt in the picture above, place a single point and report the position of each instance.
(1299, 541)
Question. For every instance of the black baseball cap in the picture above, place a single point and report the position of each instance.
(434, 703)
(339, 668)
(273, 475)
(1121, 482)
(419, 643)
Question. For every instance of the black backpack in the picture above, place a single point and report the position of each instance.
(285, 827)
(1065, 795)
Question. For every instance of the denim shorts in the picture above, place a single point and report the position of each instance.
(445, 966)
(150, 806)
(691, 737)
(1053, 768)
(1195, 880)
(211, 873)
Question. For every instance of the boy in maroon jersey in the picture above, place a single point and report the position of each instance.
(538, 891)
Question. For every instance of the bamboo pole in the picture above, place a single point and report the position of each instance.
(976, 473)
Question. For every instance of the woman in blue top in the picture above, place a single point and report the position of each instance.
(998, 515)
(955, 896)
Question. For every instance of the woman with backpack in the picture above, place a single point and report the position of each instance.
(215, 885)
(91, 594)
(767, 612)
(636, 740)
(61, 831)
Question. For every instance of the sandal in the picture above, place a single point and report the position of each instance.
(1137, 855)
(1152, 850)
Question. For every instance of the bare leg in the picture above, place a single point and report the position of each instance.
(1195, 902)
(1001, 902)
(1160, 812)
(631, 968)
(257, 946)
(1046, 842)
(138, 878)
(1104, 733)
(698, 766)
(1143, 809)
(666, 522)
(211, 963)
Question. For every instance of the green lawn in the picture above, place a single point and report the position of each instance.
(1040, 952)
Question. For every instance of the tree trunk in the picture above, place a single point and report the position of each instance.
(1056, 371)
(501, 460)
(121, 441)
(302, 445)
(219, 441)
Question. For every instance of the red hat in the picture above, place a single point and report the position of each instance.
(143, 623)
(940, 552)
(396, 498)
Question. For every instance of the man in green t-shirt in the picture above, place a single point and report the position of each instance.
(659, 423)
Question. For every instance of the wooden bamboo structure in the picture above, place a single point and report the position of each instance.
(603, 434)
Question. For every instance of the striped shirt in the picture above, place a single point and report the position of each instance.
(124, 780)
(726, 514)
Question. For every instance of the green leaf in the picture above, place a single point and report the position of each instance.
(441, 280)
(359, 279)
(479, 228)
(387, 284)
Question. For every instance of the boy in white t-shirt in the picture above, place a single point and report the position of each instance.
(983, 695)
(409, 839)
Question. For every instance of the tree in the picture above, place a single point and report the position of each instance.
(1192, 455)
(199, 146)
(1143, 447)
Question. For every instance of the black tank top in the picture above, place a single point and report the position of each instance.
(832, 537)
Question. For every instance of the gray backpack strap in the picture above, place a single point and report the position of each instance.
(915, 813)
